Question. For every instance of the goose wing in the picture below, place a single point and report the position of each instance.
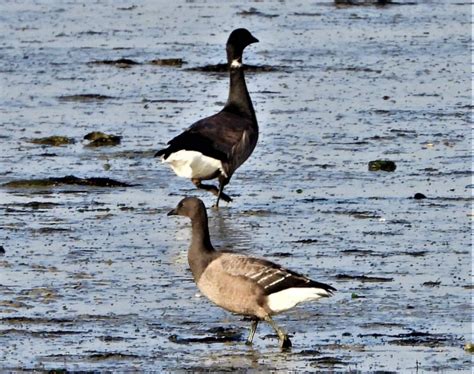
(215, 136)
(271, 277)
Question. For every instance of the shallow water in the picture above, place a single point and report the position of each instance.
(97, 278)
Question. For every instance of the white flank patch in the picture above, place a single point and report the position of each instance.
(289, 298)
(235, 64)
(193, 164)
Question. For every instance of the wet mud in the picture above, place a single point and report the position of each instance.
(94, 275)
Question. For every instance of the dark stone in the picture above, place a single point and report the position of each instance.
(432, 284)
(419, 196)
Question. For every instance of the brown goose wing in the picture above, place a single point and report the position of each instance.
(269, 276)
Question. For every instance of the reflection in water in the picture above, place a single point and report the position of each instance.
(248, 358)
(228, 231)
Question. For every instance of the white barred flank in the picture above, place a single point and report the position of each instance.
(265, 275)
(278, 280)
(284, 300)
(193, 164)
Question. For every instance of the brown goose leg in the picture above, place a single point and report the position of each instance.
(285, 341)
(253, 328)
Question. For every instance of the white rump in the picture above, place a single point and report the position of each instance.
(289, 298)
(193, 164)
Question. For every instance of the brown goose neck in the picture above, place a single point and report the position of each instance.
(201, 251)
(201, 240)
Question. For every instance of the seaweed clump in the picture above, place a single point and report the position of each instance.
(100, 139)
(67, 180)
(168, 62)
(54, 141)
(384, 165)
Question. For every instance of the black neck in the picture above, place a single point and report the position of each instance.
(239, 101)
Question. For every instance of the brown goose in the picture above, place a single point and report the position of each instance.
(216, 146)
(241, 284)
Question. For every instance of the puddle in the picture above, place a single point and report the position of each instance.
(94, 275)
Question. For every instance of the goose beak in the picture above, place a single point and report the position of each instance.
(172, 212)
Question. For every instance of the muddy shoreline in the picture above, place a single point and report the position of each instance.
(361, 179)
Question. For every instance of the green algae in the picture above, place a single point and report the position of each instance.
(100, 139)
(54, 141)
(384, 165)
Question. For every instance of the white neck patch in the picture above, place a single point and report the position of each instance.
(235, 64)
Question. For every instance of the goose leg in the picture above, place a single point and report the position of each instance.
(221, 195)
(253, 328)
(207, 187)
(285, 341)
(213, 189)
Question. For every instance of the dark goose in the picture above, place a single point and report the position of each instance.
(214, 147)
